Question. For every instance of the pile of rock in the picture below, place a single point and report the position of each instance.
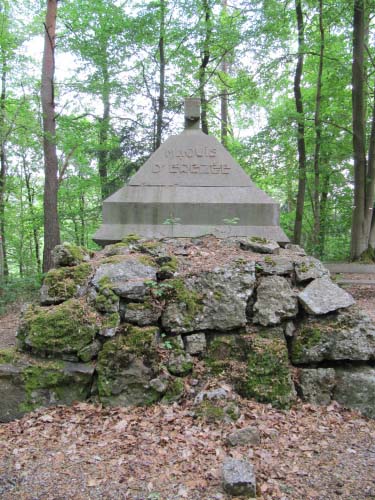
(126, 325)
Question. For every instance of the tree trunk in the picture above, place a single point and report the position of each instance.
(300, 127)
(103, 130)
(224, 95)
(318, 137)
(30, 200)
(364, 169)
(51, 220)
(204, 63)
(3, 170)
(161, 98)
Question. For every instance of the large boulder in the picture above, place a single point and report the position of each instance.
(68, 254)
(59, 331)
(126, 366)
(214, 300)
(355, 388)
(275, 301)
(27, 384)
(64, 283)
(346, 335)
(127, 276)
(322, 296)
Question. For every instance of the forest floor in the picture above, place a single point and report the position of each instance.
(164, 453)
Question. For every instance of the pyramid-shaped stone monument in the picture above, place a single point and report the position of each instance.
(189, 187)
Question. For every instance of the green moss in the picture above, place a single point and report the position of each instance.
(218, 295)
(170, 266)
(48, 383)
(258, 239)
(214, 411)
(138, 306)
(149, 245)
(174, 391)
(269, 261)
(368, 256)
(65, 328)
(111, 320)
(130, 239)
(191, 299)
(268, 378)
(137, 340)
(106, 300)
(308, 337)
(114, 259)
(146, 260)
(8, 356)
(63, 282)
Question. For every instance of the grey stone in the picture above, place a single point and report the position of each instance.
(68, 254)
(260, 245)
(126, 278)
(217, 300)
(160, 384)
(346, 335)
(189, 187)
(310, 268)
(196, 343)
(355, 389)
(276, 265)
(142, 314)
(322, 296)
(180, 364)
(12, 392)
(247, 435)
(213, 394)
(239, 478)
(316, 385)
(275, 301)
(90, 351)
(289, 329)
(295, 249)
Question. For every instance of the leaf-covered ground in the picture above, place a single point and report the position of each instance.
(163, 452)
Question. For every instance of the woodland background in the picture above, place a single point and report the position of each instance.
(287, 86)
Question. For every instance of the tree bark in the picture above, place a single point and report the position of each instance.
(364, 168)
(318, 137)
(51, 220)
(204, 63)
(3, 169)
(300, 127)
(162, 63)
(104, 128)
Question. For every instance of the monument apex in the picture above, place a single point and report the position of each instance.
(189, 187)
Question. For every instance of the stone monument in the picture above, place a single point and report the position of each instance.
(189, 187)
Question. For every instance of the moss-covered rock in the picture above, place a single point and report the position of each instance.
(58, 331)
(124, 371)
(175, 391)
(29, 383)
(217, 411)
(346, 335)
(68, 254)
(180, 364)
(64, 283)
(141, 313)
(268, 377)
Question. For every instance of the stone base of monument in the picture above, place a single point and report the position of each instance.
(127, 326)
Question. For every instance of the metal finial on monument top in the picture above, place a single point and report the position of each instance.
(192, 112)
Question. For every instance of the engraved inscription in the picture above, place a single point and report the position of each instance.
(195, 160)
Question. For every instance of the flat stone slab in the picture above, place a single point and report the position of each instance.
(275, 301)
(322, 296)
(355, 389)
(239, 478)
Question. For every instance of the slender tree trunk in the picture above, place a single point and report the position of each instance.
(104, 131)
(51, 220)
(204, 63)
(318, 136)
(30, 200)
(162, 63)
(3, 170)
(300, 127)
(364, 169)
(224, 94)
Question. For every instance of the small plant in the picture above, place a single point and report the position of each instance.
(167, 344)
(171, 221)
(159, 290)
(232, 222)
